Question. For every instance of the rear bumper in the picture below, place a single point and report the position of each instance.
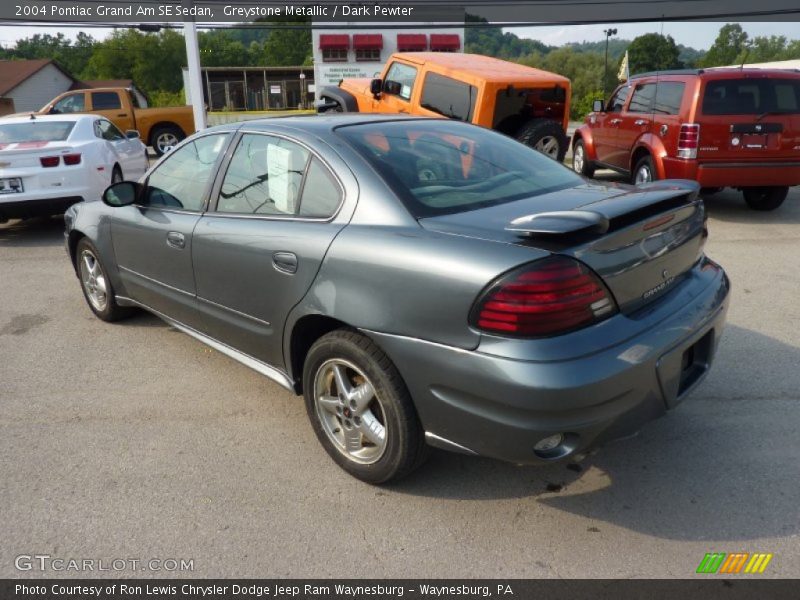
(734, 174)
(24, 209)
(501, 407)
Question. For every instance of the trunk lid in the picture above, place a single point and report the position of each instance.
(749, 117)
(641, 242)
(26, 155)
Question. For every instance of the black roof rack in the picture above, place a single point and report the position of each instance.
(670, 72)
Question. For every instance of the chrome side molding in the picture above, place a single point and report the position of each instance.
(445, 444)
(263, 368)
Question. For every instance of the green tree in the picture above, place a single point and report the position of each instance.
(221, 49)
(653, 52)
(287, 45)
(764, 49)
(730, 44)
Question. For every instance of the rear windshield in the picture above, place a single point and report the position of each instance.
(35, 131)
(752, 97)
(442, 167)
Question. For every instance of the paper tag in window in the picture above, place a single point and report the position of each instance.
(279, 182)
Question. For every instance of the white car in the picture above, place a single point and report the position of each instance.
(50, 162)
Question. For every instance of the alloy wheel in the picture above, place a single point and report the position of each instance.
(93, 280)
(548, 145)
(350, 411)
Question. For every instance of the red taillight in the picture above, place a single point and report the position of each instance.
(72, 159)
(688, 140)
(551, 296)
(49, 161)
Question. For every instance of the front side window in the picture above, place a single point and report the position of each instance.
(448, 97)
(642, 99)
(440, 167)
(265, 177)
(181, 180)
(618, 98)
(105, 101)
(404, 76)
(70, 104)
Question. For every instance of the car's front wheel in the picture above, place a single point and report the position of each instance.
(580, 163)
(360, 408)
(96, 286)
(765, 198)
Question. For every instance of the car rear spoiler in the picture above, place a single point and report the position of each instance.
(611, 213)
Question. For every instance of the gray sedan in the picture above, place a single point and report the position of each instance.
(421, 282)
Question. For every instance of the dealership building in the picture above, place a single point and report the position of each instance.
(345, 53)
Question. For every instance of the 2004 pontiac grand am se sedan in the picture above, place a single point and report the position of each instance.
(422, 282)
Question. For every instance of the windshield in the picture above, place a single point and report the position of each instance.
(751, 97)
(35, 131)
(442, 167)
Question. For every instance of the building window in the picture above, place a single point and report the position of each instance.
(334, 47)
(334, 55)
(368, 54)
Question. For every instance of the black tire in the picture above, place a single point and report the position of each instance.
(110, 311)
(404, 448)
(116, 175)
(644, 163)
(546, 132)
(583, 166)
(765, 198)
(165, 136)
(337, 109)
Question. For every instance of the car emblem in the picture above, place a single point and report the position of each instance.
(664, 130)
(665, 274)
(758, 127)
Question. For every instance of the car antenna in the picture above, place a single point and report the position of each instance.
(33, 117)
(744, 58)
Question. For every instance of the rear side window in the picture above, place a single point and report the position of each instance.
(105, 101)
(669, 95)
(321, 193)
(448, 97)
(642, 99)
(265, 177)
(751, 96)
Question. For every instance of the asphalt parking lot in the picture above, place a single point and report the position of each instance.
(133, 440)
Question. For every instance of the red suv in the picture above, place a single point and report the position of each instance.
(721, 127)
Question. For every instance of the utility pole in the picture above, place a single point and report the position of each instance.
(609, 33)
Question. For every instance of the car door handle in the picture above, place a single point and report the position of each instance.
(285, 262)
(176, 240)
(641, 122)
(615, 121)
(123, 115)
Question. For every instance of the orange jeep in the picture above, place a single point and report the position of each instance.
(525, 103)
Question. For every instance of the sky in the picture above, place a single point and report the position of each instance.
(699, 35)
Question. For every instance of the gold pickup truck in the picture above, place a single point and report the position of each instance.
(160, 128)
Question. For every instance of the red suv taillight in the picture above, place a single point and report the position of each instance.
(72, 159)
(548, 297)
(49, 161)
(688, 140)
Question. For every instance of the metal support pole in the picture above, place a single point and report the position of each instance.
(195, 76)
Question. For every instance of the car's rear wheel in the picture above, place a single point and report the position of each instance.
(96, 286)
(645, 171)
(165, 138)
(580, 163)
(336, 109)
(360, 408)
(765, 198)
(546, 136)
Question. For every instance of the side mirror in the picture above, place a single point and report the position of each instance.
(392, 87)
(52, 111)
(376, 86)
(597, 106)
(132, 134)
(122, 193)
